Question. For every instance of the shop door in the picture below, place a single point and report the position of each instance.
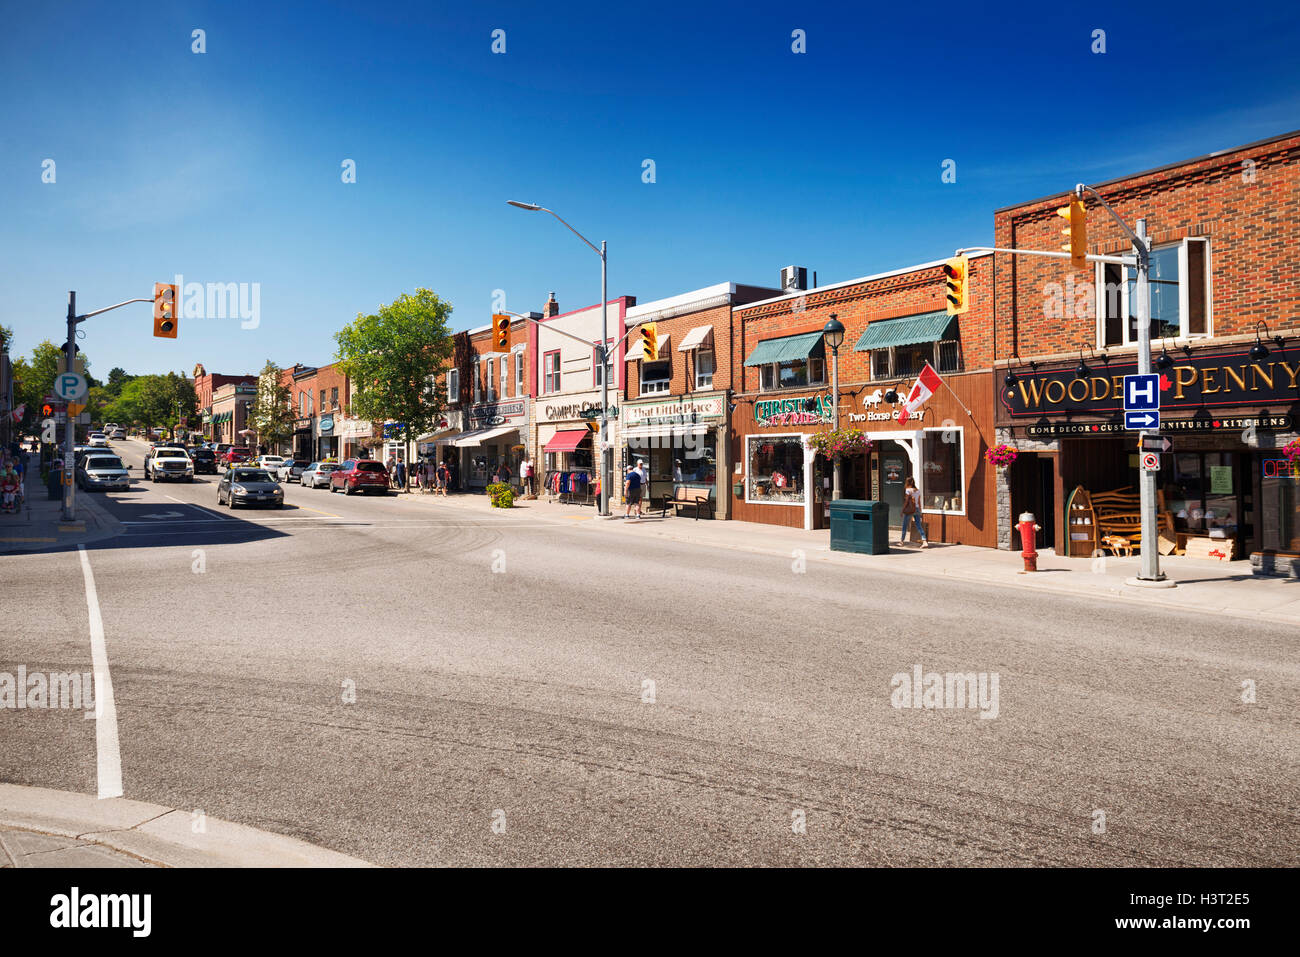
(891, 468)
(1033, 490)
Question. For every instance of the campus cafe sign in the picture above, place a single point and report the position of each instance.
(680, 411)
(1207, 390)
(577, 408)
(495, 413)
(772, 413)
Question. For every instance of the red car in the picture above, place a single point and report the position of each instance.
(236, 455)
(360, 475)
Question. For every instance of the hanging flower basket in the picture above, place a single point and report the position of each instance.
(836, 443)
(1001, 455)
(1292, 451)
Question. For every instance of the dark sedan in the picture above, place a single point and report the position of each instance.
(242, 485)
(205, 460)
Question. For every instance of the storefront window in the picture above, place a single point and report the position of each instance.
(941, 461)
(775, 469)
(1280, 485)
(1202, 493)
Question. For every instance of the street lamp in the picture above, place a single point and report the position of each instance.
(604, 352)
(833, 335)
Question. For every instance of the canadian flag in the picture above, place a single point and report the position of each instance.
(19, 412)
(927, 384)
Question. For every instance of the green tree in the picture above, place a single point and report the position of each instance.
(271, 415)
(393, 358)
(117, 378)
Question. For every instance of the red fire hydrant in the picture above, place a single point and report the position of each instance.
(1027, 528)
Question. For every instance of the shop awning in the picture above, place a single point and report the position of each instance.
(567, 441)
(697, 337)
(904, 331)
(479, 436)
(785, 349)
(634, 349)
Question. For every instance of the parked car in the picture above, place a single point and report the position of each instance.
(236, 455)
(317, 474)
(205, 460)
(98, 440)
(102, 471)
(360, 475)
(245, 485)
(290, 470)
(79, 452)
(169, 464)
(118, 433)
(221, 448)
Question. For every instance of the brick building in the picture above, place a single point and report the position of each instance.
(674, 414)
(1225, 339)
(488, 406)
(894, 323)
(205, 383)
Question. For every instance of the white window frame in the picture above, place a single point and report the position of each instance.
(657, 386)
(705, 381)
(453, 386)
(551, 376)
(893, 373)
(1184, 301)
(763, 437)
(519, 373)
(478, 385)
(961, 459)
(609, 363)
(505, 376)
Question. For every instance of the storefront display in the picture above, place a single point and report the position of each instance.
(776, 469)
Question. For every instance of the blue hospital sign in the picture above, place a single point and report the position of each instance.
(1141, 392)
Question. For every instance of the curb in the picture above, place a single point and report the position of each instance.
(156, 834)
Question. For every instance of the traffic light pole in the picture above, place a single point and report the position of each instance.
(69, 438)
(69, 435)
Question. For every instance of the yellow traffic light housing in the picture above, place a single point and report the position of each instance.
(1076, 232)
(649, 341)
(956, 272)
(501, 330)
(164, 310)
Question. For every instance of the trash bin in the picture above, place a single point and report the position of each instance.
(858, 525)
(54, 482)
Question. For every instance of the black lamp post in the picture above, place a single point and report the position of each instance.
(833, 335)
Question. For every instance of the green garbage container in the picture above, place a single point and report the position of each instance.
(858, 525)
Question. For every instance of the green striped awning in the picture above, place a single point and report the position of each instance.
(905, 331)
(785, 349)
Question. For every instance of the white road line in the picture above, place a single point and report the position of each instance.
(108, 752)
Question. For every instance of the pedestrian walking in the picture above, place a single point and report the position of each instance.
(642, 471)
(391, 466)
(504, 473)
(526, 475)
(632, 492)
(444, 478)
(912, 511)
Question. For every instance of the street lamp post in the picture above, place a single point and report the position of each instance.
(833, 334)
(604, 353)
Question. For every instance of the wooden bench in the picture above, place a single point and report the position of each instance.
(687, 495)
(1118, 516)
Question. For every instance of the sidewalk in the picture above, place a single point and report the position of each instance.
(44, 828)
(38, 526)
(1203, 586)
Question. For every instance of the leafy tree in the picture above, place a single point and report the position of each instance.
(117, 378)
(393, 357)
(271, 415)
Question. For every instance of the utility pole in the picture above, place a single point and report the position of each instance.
(1149, 570)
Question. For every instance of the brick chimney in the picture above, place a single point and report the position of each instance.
(552, 308)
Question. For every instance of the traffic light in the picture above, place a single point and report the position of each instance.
(501, 329)
(1076, 232)
(956, 273)
(164, 310)
(649, 341)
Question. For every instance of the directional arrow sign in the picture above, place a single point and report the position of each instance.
(1157, 443)
(1141, 420)
(163, 515)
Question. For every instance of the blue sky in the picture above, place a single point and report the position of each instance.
(225, 166)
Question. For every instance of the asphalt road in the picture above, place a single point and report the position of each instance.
(518, 697)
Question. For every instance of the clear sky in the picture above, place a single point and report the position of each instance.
(226, 166)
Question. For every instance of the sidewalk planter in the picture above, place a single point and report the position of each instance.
(502, 495)
(859, 526)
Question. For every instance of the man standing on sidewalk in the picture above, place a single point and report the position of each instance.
(632, 492)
